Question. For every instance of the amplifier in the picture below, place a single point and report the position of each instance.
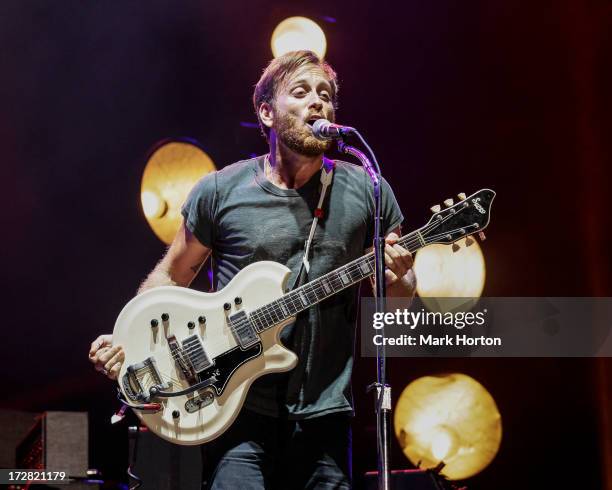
(58, 441)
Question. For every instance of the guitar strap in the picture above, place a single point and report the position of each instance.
(327, 174)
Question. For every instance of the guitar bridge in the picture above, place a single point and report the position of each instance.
(179, 358)
(141, 378)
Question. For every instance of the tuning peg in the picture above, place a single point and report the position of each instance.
(436, 208)
(468, 241)
(482, 236)
(461, 196)
(456, 247)
(448, 202)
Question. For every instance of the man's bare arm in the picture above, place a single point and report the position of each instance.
(180, 265)
(182, 262)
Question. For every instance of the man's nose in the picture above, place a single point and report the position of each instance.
(315, 102)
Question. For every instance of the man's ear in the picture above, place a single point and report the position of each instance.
(266, 114)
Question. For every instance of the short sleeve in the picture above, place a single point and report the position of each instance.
(391, 212)
(200, 208)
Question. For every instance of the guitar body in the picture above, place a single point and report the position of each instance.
(214, 407)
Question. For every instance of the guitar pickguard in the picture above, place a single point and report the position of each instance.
(225, 364)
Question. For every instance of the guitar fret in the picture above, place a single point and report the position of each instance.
(310, 294)
(267, 315)
(314, 287)
(365, 267)
(284, 309)
(274, 309)
(303, 298)
(344, 278)
(355, 275)
(274, 314)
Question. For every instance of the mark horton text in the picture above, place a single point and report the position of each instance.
(445, 340)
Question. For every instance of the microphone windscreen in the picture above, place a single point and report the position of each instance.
(318, 129)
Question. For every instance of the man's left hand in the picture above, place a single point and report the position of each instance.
(399, 276)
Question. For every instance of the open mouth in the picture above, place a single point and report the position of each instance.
(311, 120)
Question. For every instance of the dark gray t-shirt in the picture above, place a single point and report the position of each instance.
(245, 218)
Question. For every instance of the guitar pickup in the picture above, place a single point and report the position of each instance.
(194, 353)
(242, 329)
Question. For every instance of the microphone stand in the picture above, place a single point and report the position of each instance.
(383, 390)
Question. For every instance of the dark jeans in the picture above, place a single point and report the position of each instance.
(260, 452)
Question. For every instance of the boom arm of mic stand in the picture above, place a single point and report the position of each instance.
(383, 390)
(372, 172)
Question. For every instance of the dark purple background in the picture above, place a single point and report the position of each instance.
(512, 95)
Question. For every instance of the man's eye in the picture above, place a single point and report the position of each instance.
(299, 93)
(325, 96)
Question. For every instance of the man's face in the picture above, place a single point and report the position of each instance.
(305, 96)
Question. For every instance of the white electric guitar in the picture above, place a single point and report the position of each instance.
(190, 357)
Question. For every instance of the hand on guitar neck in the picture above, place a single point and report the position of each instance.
(399, 276)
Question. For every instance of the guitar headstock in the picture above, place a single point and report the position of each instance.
(469, 216)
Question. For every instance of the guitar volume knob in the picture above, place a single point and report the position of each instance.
(227, 306)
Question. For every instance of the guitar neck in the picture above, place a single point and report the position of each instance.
(311, 293)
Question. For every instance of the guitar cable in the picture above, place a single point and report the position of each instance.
(120, 414)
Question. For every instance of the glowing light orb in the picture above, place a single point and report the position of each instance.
(296, 33)
(442, 273)
(171, 171)
(450, 418)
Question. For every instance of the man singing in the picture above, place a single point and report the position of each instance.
(294, 429)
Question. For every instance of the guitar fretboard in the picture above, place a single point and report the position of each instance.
(323, 287)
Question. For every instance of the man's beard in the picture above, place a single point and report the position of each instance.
(298, 137)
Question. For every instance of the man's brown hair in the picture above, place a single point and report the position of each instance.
(279, 70)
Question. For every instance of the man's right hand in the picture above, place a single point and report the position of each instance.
(106, 358)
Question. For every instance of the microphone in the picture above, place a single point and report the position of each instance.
(324, 130)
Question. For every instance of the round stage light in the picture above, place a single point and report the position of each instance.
(152, 205)
(296, 33)
(173, 167)
(442, 273)
(451, 419)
